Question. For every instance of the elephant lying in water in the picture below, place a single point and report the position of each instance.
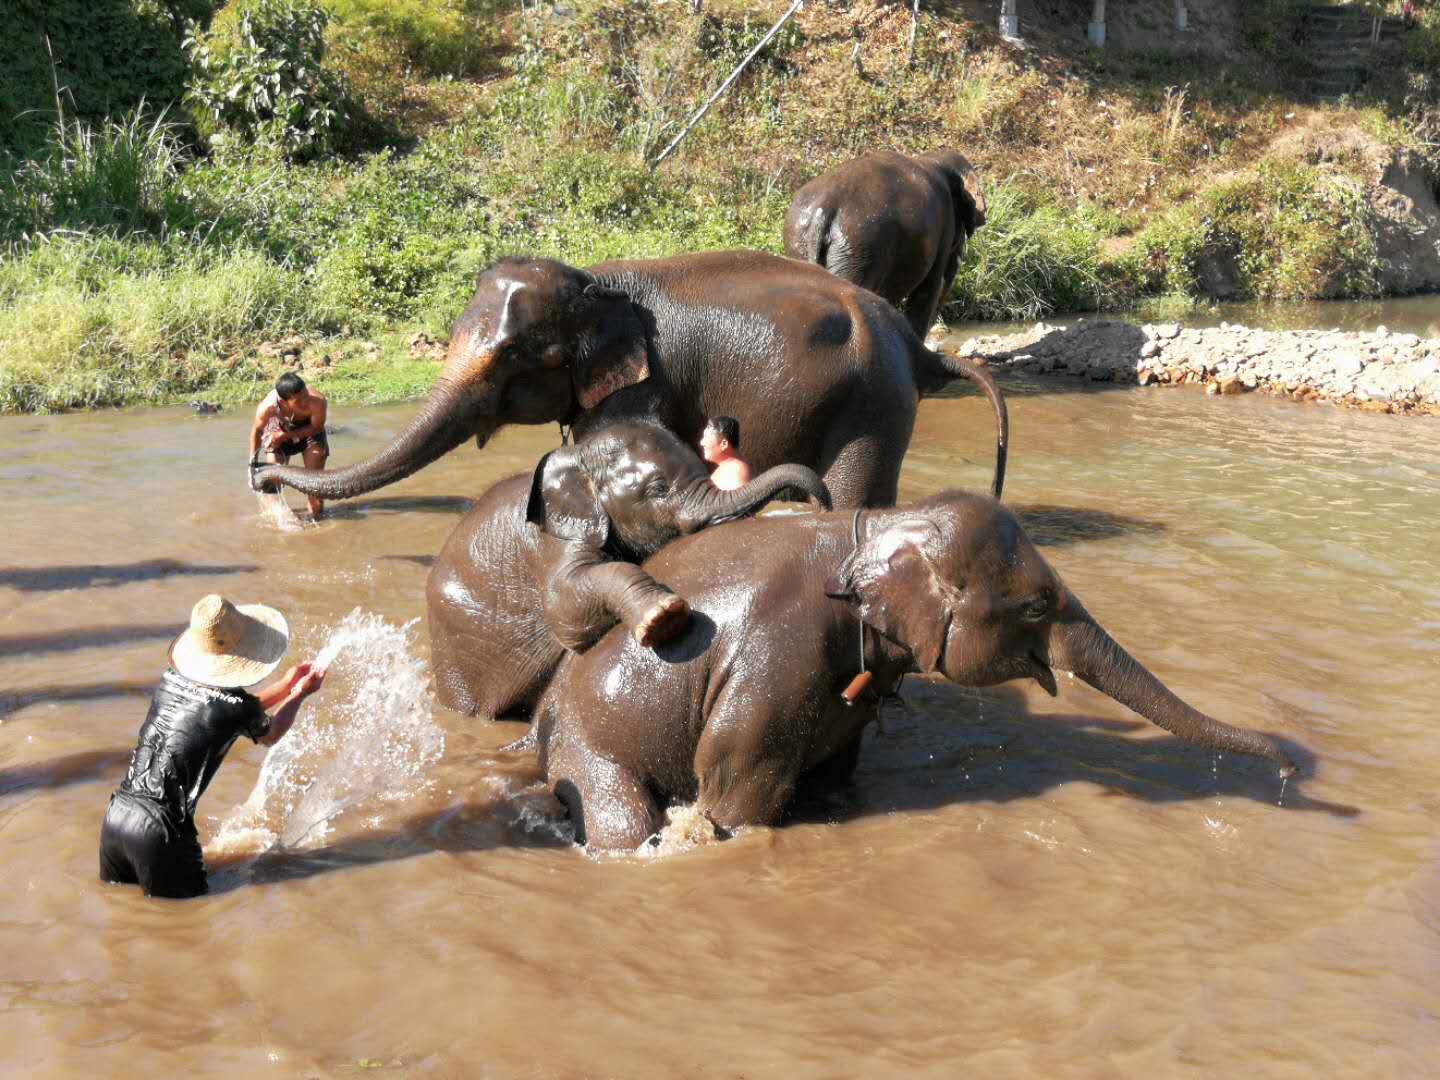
(893, 224)
(545, 563)
(817, 371)
(732, 713)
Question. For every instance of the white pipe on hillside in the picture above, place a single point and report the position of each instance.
(1009, 20)
(1181, 17)
(796, 6)
(1096, 30)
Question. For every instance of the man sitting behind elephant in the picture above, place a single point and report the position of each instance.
(720, 447)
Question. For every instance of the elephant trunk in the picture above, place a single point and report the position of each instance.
(709, 505)
(442, 423)
(1079, 644)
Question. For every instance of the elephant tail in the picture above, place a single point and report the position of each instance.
(944, 369)
(808, 232)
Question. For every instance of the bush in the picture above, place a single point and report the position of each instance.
(259, 73)
(109, 55)
(437, 37)
(120, 175)
(75, 342)
(1032, 257)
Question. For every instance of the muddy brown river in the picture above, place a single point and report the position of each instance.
(1013, 886)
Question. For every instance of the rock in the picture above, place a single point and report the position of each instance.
(1347, 364)
(1149, 349)
(1228, 385)
(1167, 330)
(1144, 377)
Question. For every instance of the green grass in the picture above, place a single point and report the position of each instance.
(136, 268)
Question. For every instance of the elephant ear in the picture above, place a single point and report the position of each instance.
(899, 591)
(966, 191)
(564, 503)
(615, 353)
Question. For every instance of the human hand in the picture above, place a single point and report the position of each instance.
(311, 681)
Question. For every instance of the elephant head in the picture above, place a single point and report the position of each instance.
(538, 342)
(958, 584)
(965, 189)
(635, 487)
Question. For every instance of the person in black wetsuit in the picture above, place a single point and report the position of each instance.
(148, 837)
(291, 420)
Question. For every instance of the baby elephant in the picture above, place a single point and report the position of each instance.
(893, 224)
(548, 562)
(752, 696)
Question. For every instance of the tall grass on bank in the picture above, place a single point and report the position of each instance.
(1032, 257)
(94, 337)
(120, 175)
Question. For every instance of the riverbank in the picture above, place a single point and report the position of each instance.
(1377, 371)
(147, 260)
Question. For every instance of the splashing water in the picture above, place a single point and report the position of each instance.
(275, 510)
(370, 737)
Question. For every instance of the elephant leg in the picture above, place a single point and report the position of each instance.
(611, 809)
(589, 593)
(864, 470)
(922, 305)
(742, 780)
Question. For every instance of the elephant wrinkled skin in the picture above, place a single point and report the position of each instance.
(817, 371)
(893, 224)
(736, 709)
(545, 563)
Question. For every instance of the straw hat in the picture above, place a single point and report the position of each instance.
(230, 646)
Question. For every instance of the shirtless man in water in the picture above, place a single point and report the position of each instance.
(291, 420)
(720, 447)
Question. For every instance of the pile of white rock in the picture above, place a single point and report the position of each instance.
(1374, 370)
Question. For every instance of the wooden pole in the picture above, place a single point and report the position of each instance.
(794, 7)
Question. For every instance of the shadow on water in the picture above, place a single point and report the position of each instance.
(418, 560)
(399, 504)
(1050, 526)
(85, 637)
(1005, 752)
(985, 747)
(83, 767)
(103, 576)
(12, 702)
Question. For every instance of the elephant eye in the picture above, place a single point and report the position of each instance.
(1036, 610)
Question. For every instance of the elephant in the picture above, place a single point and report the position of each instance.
(786, 614)
(543, 563)
(817, 371)
(893, 224)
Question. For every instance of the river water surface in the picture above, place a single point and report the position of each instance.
(1013, 886)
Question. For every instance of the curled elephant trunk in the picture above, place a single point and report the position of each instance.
(441, 424)
(711, 505)
(1079, 644)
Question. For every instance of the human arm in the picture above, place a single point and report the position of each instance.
(263, 412)
(284, 716)
(318, 409)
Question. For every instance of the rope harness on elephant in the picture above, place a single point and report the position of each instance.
(862, 683)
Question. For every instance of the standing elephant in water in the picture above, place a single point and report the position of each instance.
(733, 712)
(817, 371)
(545, 563)
(892, 224)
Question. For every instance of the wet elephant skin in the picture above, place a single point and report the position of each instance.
(547, 562)
(893, 224)
(817, 371)
(737, 709)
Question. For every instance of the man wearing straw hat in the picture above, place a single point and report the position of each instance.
(199, 709)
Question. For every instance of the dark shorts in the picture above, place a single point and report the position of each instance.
(142, 844)
(291, 447)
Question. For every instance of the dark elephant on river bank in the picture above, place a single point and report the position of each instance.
(818, 372)
(547, 562)
(752, 696)
(893, 224)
